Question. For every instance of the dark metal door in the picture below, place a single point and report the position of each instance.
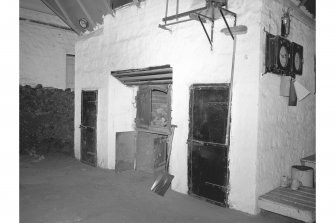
(88, 127)
(207, 149)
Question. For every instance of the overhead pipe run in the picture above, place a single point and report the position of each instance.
(238, 31)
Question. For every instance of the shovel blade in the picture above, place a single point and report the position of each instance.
(162, 184)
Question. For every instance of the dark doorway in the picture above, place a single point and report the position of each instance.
(88, 127)
(207, 148)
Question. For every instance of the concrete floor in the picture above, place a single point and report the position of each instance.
(60, 189)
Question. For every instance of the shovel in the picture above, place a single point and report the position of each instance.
(163, 180)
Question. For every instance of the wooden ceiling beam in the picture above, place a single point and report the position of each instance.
(68, 20)
(55, 10)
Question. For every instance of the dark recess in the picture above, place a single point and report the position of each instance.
(46, 120)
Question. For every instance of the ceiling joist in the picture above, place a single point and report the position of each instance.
(68, 20)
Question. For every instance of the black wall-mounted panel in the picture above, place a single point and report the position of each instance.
(297, 54)
(283, 45)
(278, 57)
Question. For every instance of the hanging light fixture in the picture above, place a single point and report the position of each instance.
(285, 23)
(83, 23)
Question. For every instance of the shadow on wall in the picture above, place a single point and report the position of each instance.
(46, 120)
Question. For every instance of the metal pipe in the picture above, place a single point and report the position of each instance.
(229, 12)
(231, 90)
(206, 17)
(166, 10)
(212, 30)
(195, 17)
(173, 23)
(182, 14)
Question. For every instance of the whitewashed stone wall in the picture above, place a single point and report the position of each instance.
(132, 39)
(43, 50)
(285, 134)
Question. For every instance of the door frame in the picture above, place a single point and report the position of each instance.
(96, 125)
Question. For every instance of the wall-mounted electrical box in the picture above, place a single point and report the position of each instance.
(282, 56)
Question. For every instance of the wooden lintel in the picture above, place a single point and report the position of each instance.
(149, 82)
(139, 70)
(142, 72)
(147, 77)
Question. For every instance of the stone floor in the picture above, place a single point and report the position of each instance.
(60, 189)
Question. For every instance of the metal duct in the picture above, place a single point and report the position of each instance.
(150, 75)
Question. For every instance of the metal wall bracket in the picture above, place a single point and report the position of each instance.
(224, 19)
(212, 11)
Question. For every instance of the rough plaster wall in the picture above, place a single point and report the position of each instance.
(43, 50)
(285, 134)
(116, 110)
(243, 149)
(132, 39)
